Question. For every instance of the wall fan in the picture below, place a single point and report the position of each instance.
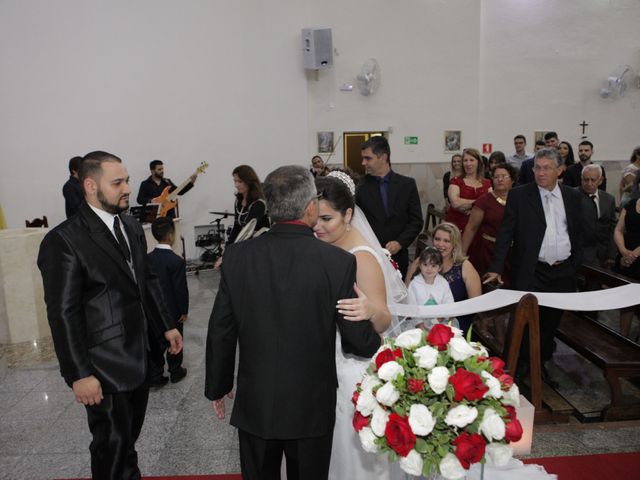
(616, 84)
(369, 77)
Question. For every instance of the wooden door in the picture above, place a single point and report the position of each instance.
(352, 142)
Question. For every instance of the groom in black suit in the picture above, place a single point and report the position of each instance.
(103, 304)
(390, 201)
(543, 222)
(277, 301)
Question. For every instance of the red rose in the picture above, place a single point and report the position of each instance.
(467, 385)
(415, 385)
(498, 366)
(387, 355)
(469, 448)
(360, 421)
(511, 411)
(399, 435)
(513, 430)
(355, 396)
(506, 381)
(439, 336)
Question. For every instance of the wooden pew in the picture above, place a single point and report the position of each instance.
(616, 355)
(433, 218)
(550, 407)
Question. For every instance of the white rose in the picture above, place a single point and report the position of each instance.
(409, 339)
(438, 379)
(492, 426)
(367, 439)
(366, 403)
(426, 357)
(498, 454)
(412, 463)
(379, 421)
(387, 394)
(456, 332)
(420, 419)
(369, 382)
(495, 389)
(480, 349)
(451, 468)
(511, 396)
(460, 349)
(390, 371)
(461, 416)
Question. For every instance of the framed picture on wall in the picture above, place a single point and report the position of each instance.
(452, 141)
(325, 142)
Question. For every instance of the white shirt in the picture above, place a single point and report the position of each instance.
(108, 219)
(163, 246)
(516, 160)
(556, 245)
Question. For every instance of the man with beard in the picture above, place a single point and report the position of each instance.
(153, 186)
(104, 303)
(573, 175)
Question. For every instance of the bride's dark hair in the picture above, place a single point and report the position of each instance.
(336, 192)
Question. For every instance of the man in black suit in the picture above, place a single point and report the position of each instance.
(277, 301)
(390, 201)
(103, 303)
(543, 222)
(599, 213)
(72, 189)
(572, 175)
(171, 270)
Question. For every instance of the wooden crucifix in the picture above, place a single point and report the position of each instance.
(584, 126)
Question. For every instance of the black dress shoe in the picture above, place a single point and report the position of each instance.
(178, 375)
(158, 382)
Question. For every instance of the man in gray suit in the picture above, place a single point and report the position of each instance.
(599, 214)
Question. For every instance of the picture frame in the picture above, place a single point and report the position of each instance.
(452, 141)
(325, 142)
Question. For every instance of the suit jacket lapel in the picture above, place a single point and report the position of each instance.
(536, 203)
(100, 234)
(568, 208)
(393, 192)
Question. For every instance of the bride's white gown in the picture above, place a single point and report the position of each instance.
(348, 459)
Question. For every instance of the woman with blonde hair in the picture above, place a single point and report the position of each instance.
(461, 275)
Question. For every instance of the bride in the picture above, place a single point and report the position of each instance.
(344, 225)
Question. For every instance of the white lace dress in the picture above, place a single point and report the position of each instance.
(348, 459)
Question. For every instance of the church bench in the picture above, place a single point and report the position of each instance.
(615, 354)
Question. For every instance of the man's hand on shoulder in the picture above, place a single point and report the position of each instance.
(88, 390)
(175, 340)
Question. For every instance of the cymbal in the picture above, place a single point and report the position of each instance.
(226, 214)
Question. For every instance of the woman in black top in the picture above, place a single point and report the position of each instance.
(249, 204)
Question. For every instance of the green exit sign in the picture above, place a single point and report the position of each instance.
(410, 140)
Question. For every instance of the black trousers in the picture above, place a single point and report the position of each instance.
(307, 458)
(158, 350)
(549, 278)
(115, 425)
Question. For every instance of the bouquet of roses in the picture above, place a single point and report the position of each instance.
(437, 402)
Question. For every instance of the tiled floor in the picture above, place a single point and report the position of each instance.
(43, 431)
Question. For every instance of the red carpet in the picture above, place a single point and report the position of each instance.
(624, 466)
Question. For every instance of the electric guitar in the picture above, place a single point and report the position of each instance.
(168, 201)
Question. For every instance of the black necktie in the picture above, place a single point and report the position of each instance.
(595, 203)
(124, 248)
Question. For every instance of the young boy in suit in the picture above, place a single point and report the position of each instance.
(171, 270)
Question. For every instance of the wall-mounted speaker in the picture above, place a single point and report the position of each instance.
(317, 48)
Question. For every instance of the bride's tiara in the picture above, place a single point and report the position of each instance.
(344, 178)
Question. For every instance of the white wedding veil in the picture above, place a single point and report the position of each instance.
(395, 287)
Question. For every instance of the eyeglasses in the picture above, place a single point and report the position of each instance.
(538, 168)
(501, 177)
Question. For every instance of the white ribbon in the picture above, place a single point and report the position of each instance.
(609, 299)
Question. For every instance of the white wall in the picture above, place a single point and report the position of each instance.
(180, 81)
(222, 81)
(543, 64)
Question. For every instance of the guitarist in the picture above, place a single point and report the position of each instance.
(153, 186)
